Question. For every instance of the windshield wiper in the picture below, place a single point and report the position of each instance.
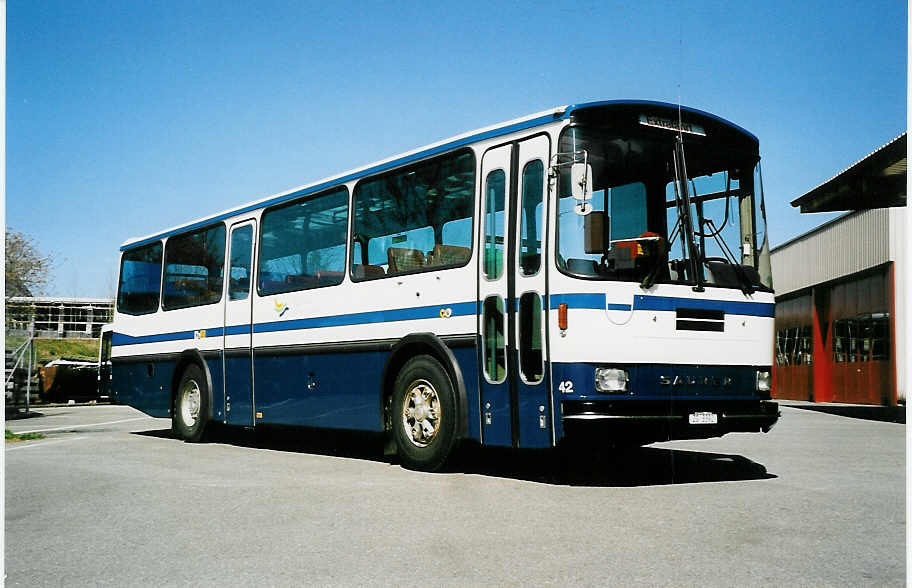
(747, 285)
(682, 199)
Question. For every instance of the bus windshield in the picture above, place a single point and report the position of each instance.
(665, 207)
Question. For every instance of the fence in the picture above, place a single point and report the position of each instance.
(21, 380)
(57, 317)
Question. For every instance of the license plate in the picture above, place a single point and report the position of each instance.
(703, 418)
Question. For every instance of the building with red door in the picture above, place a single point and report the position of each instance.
(840, 310)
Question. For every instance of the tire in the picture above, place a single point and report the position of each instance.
(191, 405)
(424, 414)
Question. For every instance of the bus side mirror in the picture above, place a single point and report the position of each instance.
(581, 187)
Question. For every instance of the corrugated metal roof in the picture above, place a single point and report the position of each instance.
(849, 244)
(874, 181)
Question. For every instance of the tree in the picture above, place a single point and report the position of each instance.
(27, 269)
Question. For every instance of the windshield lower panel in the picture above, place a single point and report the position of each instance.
(664, 207)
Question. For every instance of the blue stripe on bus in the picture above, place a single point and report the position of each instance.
(341, 320)
(594, 301)
(640, 302)
(121, 339)
(497, 132)
(587, 300)
(761, 309)
(364, 318)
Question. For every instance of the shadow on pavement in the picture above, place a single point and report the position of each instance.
(13, 414)
(640, 466)
(887, 414)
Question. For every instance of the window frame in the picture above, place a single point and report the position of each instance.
(161, 273)
(541, 229)
(541, 334)
(221, 290)
(401, 170)
(484, 228)
(229, 252)
(485, 348)
(287, 204)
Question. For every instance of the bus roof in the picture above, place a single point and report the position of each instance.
(499, 129)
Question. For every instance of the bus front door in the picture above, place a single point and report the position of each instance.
(238, 363)
(515, 405)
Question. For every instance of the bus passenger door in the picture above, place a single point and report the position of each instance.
(527, 352)
(238, 332)
(496, 413)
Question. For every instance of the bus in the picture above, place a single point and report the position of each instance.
(599, 269)
(104, 362)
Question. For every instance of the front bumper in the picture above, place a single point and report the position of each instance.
(662, 420)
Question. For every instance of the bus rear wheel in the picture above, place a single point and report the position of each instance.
(191, 405)
(424, 414)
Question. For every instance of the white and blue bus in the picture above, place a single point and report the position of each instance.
(600, 268)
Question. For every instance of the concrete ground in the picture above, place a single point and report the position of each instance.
(109, 498)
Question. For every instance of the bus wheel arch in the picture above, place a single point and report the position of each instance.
(191, 362)
(411, 346)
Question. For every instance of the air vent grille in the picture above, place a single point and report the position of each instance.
(699, 319)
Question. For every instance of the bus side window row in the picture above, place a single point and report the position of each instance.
(426, 210)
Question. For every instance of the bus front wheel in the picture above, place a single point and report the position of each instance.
(424, 414)
(191, 405)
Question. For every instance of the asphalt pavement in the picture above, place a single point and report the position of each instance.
(110, 498)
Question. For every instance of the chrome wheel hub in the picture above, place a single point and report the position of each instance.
(190, 403)
(421, 413)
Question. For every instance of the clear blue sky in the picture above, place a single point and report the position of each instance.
(124, 118)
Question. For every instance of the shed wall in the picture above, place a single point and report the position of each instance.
(848, 245)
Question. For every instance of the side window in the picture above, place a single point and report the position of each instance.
(493, 340)
(140, 280)
(571, 231)
(302, 244)
(495, 192)
(531, 359)
(880, 337)
(415, 219)
(239, 272)
(194, 266)
(805, 346)
(781, 355)
(530, 234)
(865, 338)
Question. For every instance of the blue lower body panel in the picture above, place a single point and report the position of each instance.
(467, 360)
(333, 390)
(328, 390)
(144, 385)
(218, 387)
(239, 391)
(664, 401)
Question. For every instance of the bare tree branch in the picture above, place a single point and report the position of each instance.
(28, 270)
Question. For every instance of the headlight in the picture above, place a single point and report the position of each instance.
(763, 380)
(610, 380)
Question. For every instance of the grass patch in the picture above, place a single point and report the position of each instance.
(13, 437)
(13, 343)
(82, 349)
